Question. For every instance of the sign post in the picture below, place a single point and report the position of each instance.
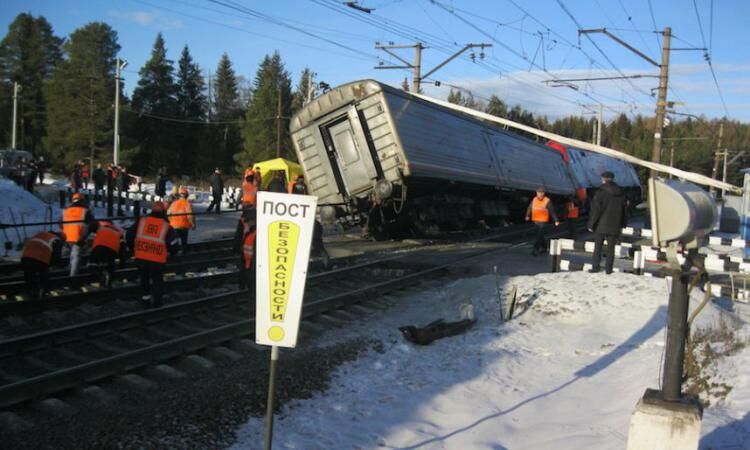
(285, 228)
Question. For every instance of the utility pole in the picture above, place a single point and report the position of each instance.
(278, 125)
(661, 102)
(724, 176)
(16, 88)
(119, 65)
(209, 96)
(417, 65)
(599, 125)
(717, 155)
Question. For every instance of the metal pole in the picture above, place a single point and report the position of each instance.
(724, 175)
(310, 88)
(15, 115)
(661, 102)
(417, 68)
(271, 389)
(715, 171)
(676, 333)
(116, 144)
(278, 126)
(599, 126)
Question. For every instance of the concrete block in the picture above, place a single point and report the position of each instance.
(165, 372)
(136, 381)
(97, 394)
(55, 407)
(13, 423)
(197, 362)
(660, 425)
(223, 353)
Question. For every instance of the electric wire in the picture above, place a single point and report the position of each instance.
(707, 57)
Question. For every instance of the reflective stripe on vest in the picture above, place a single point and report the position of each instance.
(39, 247)
(180, 206)
(73, 231)
(539, 211)
(107, 236)
(150, 240)
(248, 249)
(572, 211)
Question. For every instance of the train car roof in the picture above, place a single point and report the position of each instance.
(352, 92)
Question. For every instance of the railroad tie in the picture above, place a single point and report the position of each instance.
(165, 372)
(132, 380)
(54, 407)
(96, 394)
(197, 362)
(221, 352)
(12, 422)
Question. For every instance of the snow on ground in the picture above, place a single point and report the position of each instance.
(19, 206)
(566, 373)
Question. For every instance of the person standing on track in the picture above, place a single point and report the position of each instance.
(39, 252)
(78, 222)
(572, 213)
(317, 248)
(539, 211)
(151, 239)
(606, 220)
(108, 245)
(278, 182)
(181, 217)
(217, 190)
(100, 180)
(244, 241)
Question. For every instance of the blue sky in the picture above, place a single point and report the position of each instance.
(532, 41)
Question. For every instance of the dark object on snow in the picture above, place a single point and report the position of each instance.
(435, 330)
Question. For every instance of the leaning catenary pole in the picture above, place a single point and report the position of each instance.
(661, 102)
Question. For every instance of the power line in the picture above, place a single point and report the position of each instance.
(653, 22)
(707, 57)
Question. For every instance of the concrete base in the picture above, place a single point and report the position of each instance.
(657, 424)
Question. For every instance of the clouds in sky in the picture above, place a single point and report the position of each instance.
(149, 18)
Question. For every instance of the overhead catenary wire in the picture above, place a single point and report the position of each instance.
(707, 56)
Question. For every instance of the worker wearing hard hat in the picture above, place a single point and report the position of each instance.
(181, 217)
(78, 222)
(151, 239)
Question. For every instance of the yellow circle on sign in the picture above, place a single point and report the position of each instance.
(276, 333)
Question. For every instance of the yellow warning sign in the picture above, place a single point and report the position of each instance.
(283, 237)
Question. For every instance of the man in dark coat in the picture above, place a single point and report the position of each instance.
(100, 180)
(217, 189)
(278, 183)
(606, 220)
(123, 186)
(161, 182)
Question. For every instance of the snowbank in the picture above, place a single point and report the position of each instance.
(566, 373)
(20, 206)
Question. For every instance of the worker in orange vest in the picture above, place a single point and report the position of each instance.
(181, 217)
(151, 239)
(39, 252)
(78, 222)
(539, 211)
(244, 241)
(108, 245)
(249, 189)
(571, 214)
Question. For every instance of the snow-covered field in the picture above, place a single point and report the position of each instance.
(19, 206)
(566, 373)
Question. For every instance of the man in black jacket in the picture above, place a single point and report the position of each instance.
(606, 220)
(100, 180)
(217, 189)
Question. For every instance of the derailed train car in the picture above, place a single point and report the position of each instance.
(586, 168)
(375, 154)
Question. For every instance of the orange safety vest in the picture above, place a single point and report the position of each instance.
(572, 210)
(107, 235)
(180, 206)
(150, 239)
(539, 211)
(290, 187)
(248, 249)
(249, 193)
(39, 247)
(73, 231)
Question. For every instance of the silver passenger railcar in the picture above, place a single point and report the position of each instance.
(375, 154)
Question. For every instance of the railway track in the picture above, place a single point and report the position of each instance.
(45, 364)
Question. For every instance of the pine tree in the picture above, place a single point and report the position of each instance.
(80, 95)
(29, 54)
(497, 107)
(303, 91)
(154, 99)
(405, 85)
(191, 106)
(227, 135)
(263, 122)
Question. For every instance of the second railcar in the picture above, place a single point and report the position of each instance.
(376, 154)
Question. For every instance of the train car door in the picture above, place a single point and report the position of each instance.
(351, 157)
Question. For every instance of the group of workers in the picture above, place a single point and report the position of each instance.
(607, 218)
(150, 240)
